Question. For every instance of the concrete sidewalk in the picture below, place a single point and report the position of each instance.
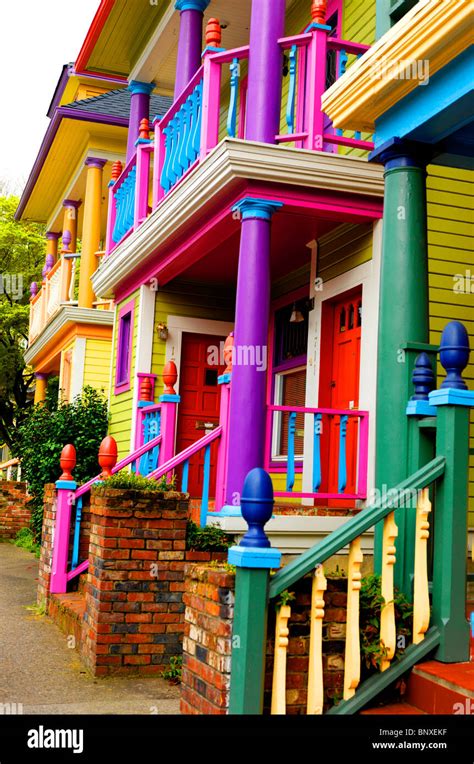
(39, 671)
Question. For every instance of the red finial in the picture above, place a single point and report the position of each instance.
(170, 375)
(67, 461)
(107, 456)
(213, 34)
(146, 389)
(318, 11)
(116, 170)
(144, 129)
(228, 352)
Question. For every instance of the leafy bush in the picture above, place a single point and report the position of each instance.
(208, 539)
(130, 481)
(41, 437)
(26, 540)
(371, 602)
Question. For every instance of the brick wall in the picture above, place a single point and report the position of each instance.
(47, 535)
(209, 600)
(134, 616)
(14, 512)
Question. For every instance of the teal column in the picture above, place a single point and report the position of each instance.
(253, 558)
(403, 312)
(452, 402)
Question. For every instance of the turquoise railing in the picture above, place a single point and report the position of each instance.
(181, 128)
(325, 423)
(124, 197)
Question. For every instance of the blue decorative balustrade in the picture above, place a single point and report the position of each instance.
(124, 197)
(182, 136)
(330, 446)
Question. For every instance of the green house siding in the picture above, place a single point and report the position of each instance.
(450, 197)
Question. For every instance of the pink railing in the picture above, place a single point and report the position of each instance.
(190, 129)
(339, 439)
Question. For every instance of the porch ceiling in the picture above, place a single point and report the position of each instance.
(291, 232)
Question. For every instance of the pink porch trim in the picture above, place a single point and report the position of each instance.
(186, 454)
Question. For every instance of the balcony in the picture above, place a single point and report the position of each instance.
(58, 289)
(214, 105)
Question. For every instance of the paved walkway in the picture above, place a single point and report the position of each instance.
(39, 671)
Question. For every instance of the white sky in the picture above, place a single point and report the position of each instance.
(36, 38)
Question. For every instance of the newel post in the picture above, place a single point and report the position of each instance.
(253, 558)
(211, 89)
(169, 406)
(143, 146)
(223, 451)
(316, 76)
(452, 402)
(112, 208)
(65, 486)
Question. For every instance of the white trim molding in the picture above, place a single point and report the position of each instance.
(144, 347)
(78, 364)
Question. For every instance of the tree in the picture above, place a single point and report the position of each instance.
(21, 260)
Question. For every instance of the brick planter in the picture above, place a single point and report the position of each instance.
(134, 611)
(46, 554)
(14, 511)
(207, 642)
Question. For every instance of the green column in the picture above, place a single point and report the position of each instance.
(403, 312)
(249, 638)
(450, 529)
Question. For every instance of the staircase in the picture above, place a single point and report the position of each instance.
(436, 688)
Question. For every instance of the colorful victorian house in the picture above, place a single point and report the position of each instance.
(246, 213)
(70, 329)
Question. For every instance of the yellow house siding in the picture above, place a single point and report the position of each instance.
(450, 197)
(121, 406)
(97, 364)
(344, 248)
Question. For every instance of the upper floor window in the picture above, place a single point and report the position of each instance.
(124, 348)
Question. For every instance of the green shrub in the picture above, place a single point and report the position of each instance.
(371, 602)
(26, 540)
(173, 674)
(46, 429)
(211, 538)
(130, 481)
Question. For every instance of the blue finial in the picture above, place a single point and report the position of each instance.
(454, 354)
(257, 507)
(423, 378)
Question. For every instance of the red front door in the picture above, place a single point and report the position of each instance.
(339, 389)
(200, 401)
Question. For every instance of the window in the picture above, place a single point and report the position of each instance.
(124, 348)
(289, 374)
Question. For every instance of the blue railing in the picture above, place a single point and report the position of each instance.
(182, 136)
(125, 203)
(150, 428)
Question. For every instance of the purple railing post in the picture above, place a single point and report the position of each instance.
(112, 208)
(211, 98)
(139, 110)
(315, 85)
(169, 406)
(189, 41)
(66, 486)
(223, 450)
(142, 179)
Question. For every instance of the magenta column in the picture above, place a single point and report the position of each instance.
(267, 25)
(139, 109)
(246, 436)
(190, 41)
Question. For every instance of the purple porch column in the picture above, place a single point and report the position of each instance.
(267, 25)
(139, 109)
(247, 398)
(190, 41)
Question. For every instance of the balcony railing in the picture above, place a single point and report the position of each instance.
(57, 289)
(192, 126)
